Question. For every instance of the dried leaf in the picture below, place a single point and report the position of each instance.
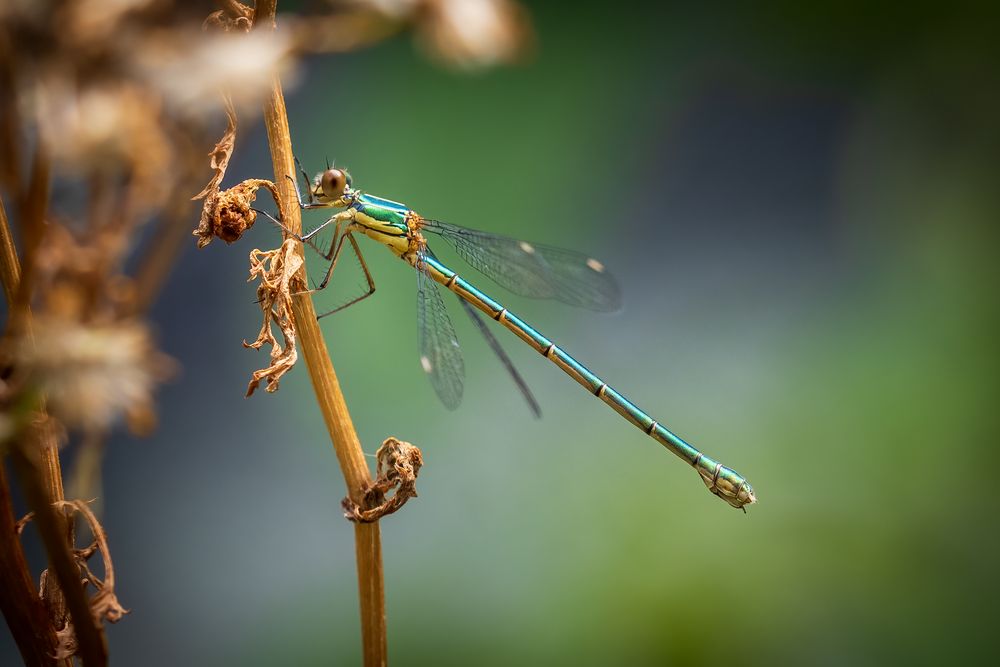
(92, 373)
(221, 20)
(104, 604)
(219, 161)
(223, 151)
(277, 271)
(399, 464)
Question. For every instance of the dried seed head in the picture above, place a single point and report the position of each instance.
(466, 34)
(106, 128)
(91, 374)
(472, 34)
(190, 71)
(228, 214)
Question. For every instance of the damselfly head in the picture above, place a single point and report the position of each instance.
(331, 185)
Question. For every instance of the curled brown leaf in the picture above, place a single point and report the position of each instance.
(104, 604)
(277, 271)
(399, 463)
(219, 161)
(228, 214)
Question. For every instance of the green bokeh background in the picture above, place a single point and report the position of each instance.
(800, 203)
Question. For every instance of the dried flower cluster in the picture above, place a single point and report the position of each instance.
(106, 114)
(118, 103)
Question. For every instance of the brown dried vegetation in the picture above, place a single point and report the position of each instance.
(107, 110)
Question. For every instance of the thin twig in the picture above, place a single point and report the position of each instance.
(368, 544)
(10, 267)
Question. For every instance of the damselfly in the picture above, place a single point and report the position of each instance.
(528, 269)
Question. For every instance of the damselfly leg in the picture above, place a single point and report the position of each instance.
(349, 236)
(332, 254)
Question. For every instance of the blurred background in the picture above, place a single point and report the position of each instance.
(800, 204)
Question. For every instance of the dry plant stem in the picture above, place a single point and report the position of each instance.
(367, 538)
(10, 274)
(32, 208)
(10, 267)
(26, 616)
(42, 482)
(92, 649)
(17, 292)
(28, 620)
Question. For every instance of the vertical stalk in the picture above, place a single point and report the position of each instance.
(22, 608)
(367, 537)
(10, 267)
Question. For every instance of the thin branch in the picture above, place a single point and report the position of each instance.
(368, 546)
(10, 267)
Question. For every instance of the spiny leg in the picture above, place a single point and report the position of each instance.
(335, 244)
(348, 236)
(305, 177)
(339, 220)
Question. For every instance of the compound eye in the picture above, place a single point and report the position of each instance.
(333, 182)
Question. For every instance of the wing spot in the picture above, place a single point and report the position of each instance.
(595, 265)
(527, 247)
(426, 364)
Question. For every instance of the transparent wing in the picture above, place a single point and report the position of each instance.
(498, 350)
(532, 269)
(440, 355)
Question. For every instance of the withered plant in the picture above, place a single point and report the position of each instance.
(107, 111)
